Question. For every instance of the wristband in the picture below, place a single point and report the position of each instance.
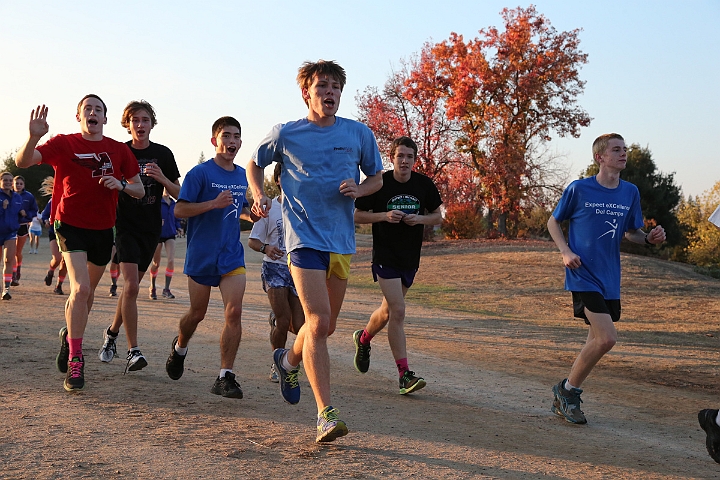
(646, 240)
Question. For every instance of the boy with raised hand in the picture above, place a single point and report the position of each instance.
(90, 171)
(321, 156)
(212, 198)
(398, 212)
(601, 210)
(138, 225)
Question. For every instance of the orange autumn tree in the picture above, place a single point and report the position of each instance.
(509, 91)
(411, 104)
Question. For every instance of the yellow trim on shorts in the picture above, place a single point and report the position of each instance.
(237, 271)
(339, 265)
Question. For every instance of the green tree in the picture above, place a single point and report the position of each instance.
(703, 238)
(659, 195)
(33, 176)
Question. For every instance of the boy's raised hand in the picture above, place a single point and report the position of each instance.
(38, 122)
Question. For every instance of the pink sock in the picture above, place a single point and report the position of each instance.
(402, 366)
(365, 337)
(75, 347)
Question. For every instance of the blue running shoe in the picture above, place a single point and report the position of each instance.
(329, 426)
(289, 384)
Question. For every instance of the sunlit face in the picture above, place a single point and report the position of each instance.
(140, 125)
(7, 182)
(19, 184)
(91, 116)
(227, 143)
(323, 96)
(403, 160)
(615, 155)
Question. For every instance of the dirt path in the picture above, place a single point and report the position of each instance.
(484, 414)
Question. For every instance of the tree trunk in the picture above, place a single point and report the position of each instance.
(502, 224)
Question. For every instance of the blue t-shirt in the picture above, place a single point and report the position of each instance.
(599, 218)
(213, 237)
(315, 160)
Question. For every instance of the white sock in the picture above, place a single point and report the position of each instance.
(223, 371)
(286, 363)
(567, 386)
(181, 350)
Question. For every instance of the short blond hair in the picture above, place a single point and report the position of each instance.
(600, 144)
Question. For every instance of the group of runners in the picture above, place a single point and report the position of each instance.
(307, 237)
(18, 221)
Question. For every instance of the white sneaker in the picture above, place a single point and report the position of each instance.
(109, 349)
(135, 361)
(273, 374)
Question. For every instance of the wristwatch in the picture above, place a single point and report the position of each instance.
(262, 249)
(123, 182)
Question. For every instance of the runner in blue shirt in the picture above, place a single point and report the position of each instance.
(600, 210)
(212, 198)
(321, 156)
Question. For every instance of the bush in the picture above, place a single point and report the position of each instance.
(462, 221)
(533, 223)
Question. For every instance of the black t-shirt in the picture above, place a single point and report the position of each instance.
(143, 215)
(398, 245)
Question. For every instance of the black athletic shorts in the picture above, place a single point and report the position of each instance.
(131, 247)
(165, 239)
(23, 230)
(596, 303)
(96, 243)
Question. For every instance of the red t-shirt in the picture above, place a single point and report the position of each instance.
(79, 164)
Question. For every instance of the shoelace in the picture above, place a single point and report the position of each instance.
(330, 415)
(131, 354)
(75, 368)
(292, 378)
(407, 377)
(364, 351)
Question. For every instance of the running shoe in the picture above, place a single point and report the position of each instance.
(273, 374)
(410, 383)
(49, 277)
(166, 293)
(113, 290)
(175, 365)
(712, 440)
(329, 426)
(271, 320)
(6, 294)
(289, 383)
(17, 276)
(135, 361)
(227, 386)
(75, 378)
(109, 348)
(61, 361)
(566, 404)
(362, 353)
(153, 294)
(58, 290)
(15, 280)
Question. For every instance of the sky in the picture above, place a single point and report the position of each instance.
(652, 73)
